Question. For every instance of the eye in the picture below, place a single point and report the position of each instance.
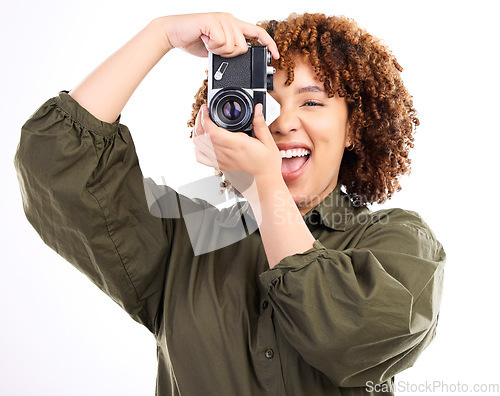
(311, 103)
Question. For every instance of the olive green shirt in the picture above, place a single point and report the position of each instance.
(356, 309)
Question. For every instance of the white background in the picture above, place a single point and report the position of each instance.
(61, 336)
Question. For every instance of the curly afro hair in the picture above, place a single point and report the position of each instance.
(355, 65)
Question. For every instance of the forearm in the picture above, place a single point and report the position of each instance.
(281, 226)
(108, 88)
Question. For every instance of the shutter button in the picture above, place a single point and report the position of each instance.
(269, 353)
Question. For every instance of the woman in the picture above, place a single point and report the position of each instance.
(327, 297)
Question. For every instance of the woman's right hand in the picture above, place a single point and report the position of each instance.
(107, 89)
(220, 33)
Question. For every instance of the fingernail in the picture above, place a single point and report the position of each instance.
(258, 109)
(203, 110)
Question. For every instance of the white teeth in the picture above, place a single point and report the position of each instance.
(294, 153)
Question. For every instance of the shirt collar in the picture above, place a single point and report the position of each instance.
(335, 212)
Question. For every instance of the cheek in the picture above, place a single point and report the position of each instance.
(329, 133)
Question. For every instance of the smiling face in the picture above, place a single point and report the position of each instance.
(311, 133)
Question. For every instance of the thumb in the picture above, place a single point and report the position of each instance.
(260, 128)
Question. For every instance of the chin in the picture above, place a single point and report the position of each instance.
(307, 196)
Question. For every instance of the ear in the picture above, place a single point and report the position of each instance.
(348, 137)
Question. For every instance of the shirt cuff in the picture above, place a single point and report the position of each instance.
(83, 117)
(292, 263)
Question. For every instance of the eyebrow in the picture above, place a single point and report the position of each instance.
(310, 88)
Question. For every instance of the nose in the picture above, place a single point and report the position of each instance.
(286, 123)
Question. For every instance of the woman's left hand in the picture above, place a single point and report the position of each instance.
(242, 158)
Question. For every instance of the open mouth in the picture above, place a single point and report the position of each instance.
(293, 162)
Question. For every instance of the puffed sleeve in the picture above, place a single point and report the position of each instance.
(83, 192)
(364, 313)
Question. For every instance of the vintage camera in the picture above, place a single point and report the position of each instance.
(236, 85)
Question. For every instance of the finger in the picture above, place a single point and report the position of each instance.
(218, 136)
(223, 140)
(213, 35)
(227, 46)
(206, 41)
(204, 152)
(258, 33)
(217, 156)
(260, 128)
(206, 125)
(198, 128)
(204, 143)
(209, 156)
(239, 40)
(219, 38)
(203, 159)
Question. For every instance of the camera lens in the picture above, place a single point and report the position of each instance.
(231, 110)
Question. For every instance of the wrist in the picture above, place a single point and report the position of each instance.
(159, 27)
(268, 189)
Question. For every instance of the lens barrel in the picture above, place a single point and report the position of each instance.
(232, 109)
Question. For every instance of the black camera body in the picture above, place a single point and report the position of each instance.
(236, 85)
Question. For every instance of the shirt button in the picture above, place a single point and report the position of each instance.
(269, 353)
(265, 304)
